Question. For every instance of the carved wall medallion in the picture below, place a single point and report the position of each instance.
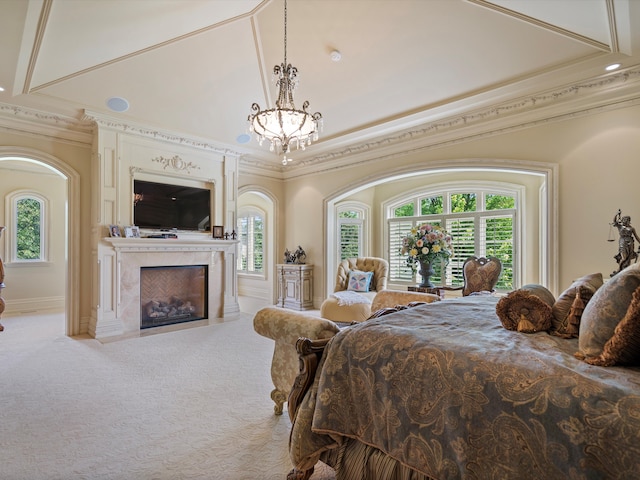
(176, 163)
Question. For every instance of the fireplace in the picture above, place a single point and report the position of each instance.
(173, 294)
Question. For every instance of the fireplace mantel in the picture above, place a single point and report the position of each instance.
(121, 244)
(119, 263)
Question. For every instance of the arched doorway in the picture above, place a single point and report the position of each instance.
(260, 285)
(20, 165)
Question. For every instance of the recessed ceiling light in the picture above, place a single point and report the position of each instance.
(335, 55)
(1, 89)
(613, 66)
(118, 104)
(243, 138)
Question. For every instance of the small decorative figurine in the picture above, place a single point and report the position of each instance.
(626, 245)
(234, 235)
(298, 257)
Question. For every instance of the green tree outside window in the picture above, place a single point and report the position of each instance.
(28, 231)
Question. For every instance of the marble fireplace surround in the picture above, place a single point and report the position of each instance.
(133, 253)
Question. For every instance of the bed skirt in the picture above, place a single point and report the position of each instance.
(355, 460)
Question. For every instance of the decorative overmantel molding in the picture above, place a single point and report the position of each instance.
(184, 173)
(610, 91)
(177, 163)
(113, 123)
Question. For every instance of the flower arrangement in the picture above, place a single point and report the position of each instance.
(426, 243)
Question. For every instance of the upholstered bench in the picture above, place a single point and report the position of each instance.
(287, 326)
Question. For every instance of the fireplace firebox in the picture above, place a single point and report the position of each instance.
(173, 294)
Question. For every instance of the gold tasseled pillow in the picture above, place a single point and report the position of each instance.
(567, 310)
(526, 310)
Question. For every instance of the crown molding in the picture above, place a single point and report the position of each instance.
(606, 92)
(32, 122)
(112, 123)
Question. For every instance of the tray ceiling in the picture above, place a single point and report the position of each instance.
(196, 66)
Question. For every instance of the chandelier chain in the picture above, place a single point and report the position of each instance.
(284, 125)
(285, 33)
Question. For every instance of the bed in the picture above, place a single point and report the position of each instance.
(443, 391)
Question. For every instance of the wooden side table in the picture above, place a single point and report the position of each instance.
(295, 286)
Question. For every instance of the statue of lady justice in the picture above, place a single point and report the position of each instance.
(626, 247)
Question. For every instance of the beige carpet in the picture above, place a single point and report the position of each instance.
(187, 404)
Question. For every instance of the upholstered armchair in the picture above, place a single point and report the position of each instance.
(347, 303)
(287, 326)
(379, 267)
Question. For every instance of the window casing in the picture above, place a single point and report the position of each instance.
(481, 219)
(27, 240)
(251, 234)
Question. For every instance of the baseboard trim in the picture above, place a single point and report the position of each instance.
(33, 305)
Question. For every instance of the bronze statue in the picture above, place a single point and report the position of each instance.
(626, 246)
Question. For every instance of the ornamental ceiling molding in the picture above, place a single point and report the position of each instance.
(359, 160)
(44, 124)
(431, 131)
(111, 123)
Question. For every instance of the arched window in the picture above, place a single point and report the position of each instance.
(482, 219)
(251, 234)
(27, 239)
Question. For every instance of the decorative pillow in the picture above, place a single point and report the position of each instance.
(359, 281)
(606, 309)
(526, 310)
(572, 302)
(624, 347)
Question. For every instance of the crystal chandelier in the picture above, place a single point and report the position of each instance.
(284, 125)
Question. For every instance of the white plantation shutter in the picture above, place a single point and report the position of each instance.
(463, 232)
(243, 239)
(499, 234)
(350, 238)
(398, 229)
(480, 233)
(250, 229)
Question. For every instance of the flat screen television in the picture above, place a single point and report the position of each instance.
(165, 207)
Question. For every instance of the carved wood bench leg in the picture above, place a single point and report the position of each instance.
(296, 474)
(279, 398)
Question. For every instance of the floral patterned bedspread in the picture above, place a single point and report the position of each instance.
(444, 389)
